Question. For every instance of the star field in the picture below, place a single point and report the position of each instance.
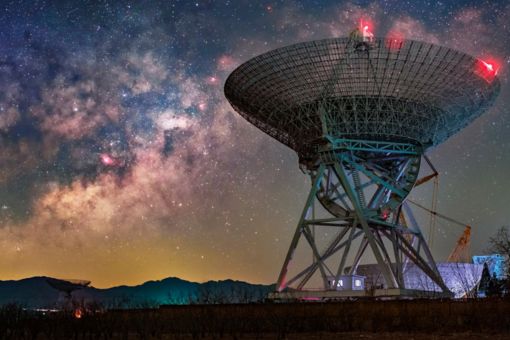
(121, 161)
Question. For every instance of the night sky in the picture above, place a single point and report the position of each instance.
(121, 160)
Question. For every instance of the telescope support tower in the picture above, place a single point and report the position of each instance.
(362, 186)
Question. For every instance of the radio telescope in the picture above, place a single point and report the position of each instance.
(360, 115)
(67, 286)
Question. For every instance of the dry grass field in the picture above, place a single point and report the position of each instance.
(404, 319)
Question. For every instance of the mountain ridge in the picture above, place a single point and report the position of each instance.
(35, 292)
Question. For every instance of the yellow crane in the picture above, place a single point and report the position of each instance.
(461, 251)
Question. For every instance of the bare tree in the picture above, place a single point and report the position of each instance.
(500, 243)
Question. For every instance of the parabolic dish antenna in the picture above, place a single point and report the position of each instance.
(67, 286)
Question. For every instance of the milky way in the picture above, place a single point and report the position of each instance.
(121, 161)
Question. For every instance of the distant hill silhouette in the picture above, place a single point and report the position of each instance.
(35, 292)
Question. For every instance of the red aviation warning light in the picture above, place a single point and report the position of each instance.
(487, 69)
(394, 40)
(384, 214)
(366, 30)
(366, 24)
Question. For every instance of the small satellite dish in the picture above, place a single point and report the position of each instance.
(67, 286)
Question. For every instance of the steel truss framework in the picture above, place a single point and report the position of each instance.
(360, 115)
(362, 185)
